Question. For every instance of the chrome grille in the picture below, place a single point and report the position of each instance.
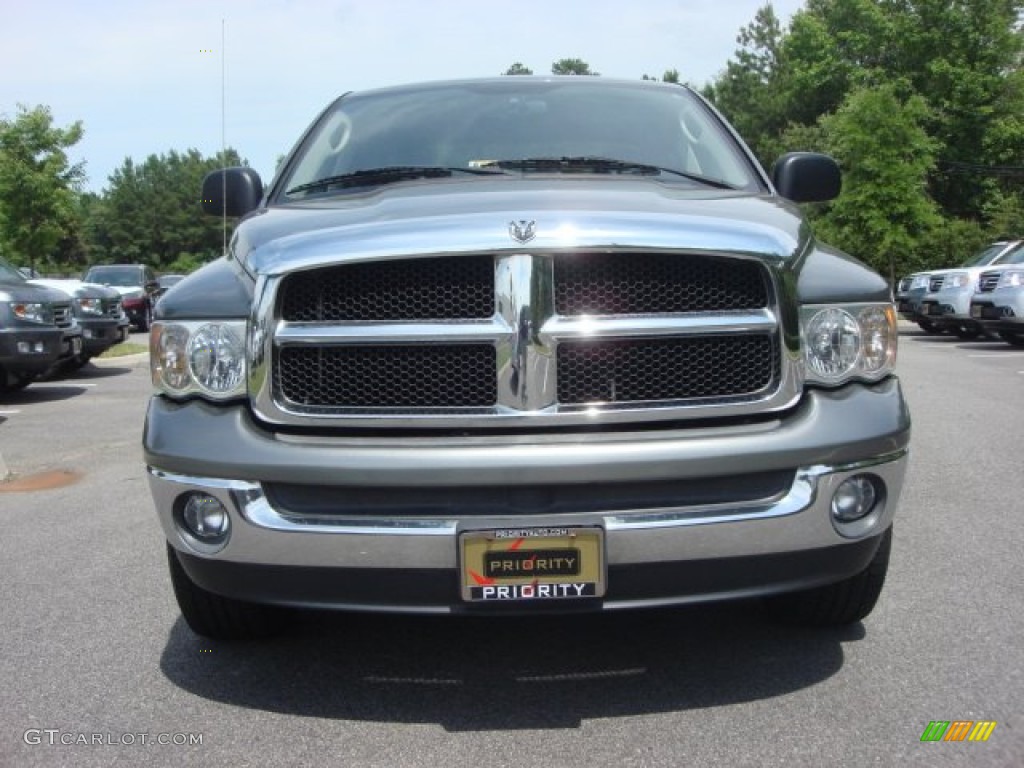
(666, 369)
(429, 376)
(935, 282)
(429, 289)
(653, 283)
(988, 282)
(520, 339)
(62, 316)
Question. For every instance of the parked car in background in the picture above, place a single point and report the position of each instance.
(137, 285)
(98, 311)
(948, 302)
(37, 329)
(999, 303)
(909, 292)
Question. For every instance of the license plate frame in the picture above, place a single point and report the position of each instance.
(532, 563)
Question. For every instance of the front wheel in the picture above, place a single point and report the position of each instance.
(12, 382)
(1010, 337)
(218, 617)
(967, 332)
(929, 327)
(146, 320)
(835, 605)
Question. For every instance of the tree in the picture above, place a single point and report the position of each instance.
(150, 213)
(572, 67)
(38, 185)
(884, 214)
(518, 69)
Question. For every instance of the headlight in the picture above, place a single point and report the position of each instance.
(34, 312)
(848, 342)
(921, 281)
(1012, 278)
(206, 358)
(957, 280)
(89, 306)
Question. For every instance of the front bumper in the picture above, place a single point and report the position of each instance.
(659, 549)
(1000, 310)
(29, 350)
(99, 334)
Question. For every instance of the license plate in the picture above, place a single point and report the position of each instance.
(523, 564)
(975, 311)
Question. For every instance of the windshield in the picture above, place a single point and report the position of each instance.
(9, 274)
(467, 129)
(1016, 256)
(985, 256)
(124, 277)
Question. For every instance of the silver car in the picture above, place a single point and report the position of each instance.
(947, 304)
(999, 303)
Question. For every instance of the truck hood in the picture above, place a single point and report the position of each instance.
(454, 215)
(28, 292)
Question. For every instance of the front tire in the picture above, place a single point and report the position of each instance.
(13, 382)
(146, 320)
(839, 604)
(1016, 339)
(218, 617)
(929, 327)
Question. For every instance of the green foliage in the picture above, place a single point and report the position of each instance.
(518, 69)
(38, 187)
(884, 212)
(572, 67)
(151, 214)
(940, 172)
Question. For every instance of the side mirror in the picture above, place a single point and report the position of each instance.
(807, 177)
(152, 287)
(240, 188)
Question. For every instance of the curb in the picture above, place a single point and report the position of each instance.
(139, 360)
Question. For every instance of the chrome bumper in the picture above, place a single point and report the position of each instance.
(798, 520)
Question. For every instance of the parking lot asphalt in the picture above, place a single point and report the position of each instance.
(92, 647)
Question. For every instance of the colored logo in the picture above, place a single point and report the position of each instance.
(958, 730)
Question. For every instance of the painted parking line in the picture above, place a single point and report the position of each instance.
(999, 354)
(8, 413)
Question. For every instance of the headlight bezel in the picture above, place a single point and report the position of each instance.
(877, 341)
(39, 312)
(1011, 278)
(173, 346)
(91, 306)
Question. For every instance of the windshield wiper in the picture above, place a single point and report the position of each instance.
(387, 175)
(596, 165)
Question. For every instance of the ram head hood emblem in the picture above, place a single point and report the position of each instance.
(522, 231)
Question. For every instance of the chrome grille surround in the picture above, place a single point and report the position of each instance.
(62, 315)
(525, 332)
(988, 281)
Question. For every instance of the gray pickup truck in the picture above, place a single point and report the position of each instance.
(524, 344)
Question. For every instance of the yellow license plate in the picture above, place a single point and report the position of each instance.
(520, 564)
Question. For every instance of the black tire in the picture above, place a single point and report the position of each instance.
(1017, 339)
(967, 332)
(13, 382)
(147, 319)
(929, 327)
(836, 605)
(218, 617)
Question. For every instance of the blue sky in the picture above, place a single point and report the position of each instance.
(145, 76)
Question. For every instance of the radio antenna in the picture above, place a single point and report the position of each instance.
(223, 147)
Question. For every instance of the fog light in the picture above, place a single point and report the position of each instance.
(31, 348)
(854, 499)
(205, 518)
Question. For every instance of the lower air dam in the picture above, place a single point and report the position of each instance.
(532, 591)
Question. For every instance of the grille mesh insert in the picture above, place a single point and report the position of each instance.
(665, 369)
(397, 376)
(450, 288)
(647, 283)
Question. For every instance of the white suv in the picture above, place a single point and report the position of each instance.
(947, 304)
